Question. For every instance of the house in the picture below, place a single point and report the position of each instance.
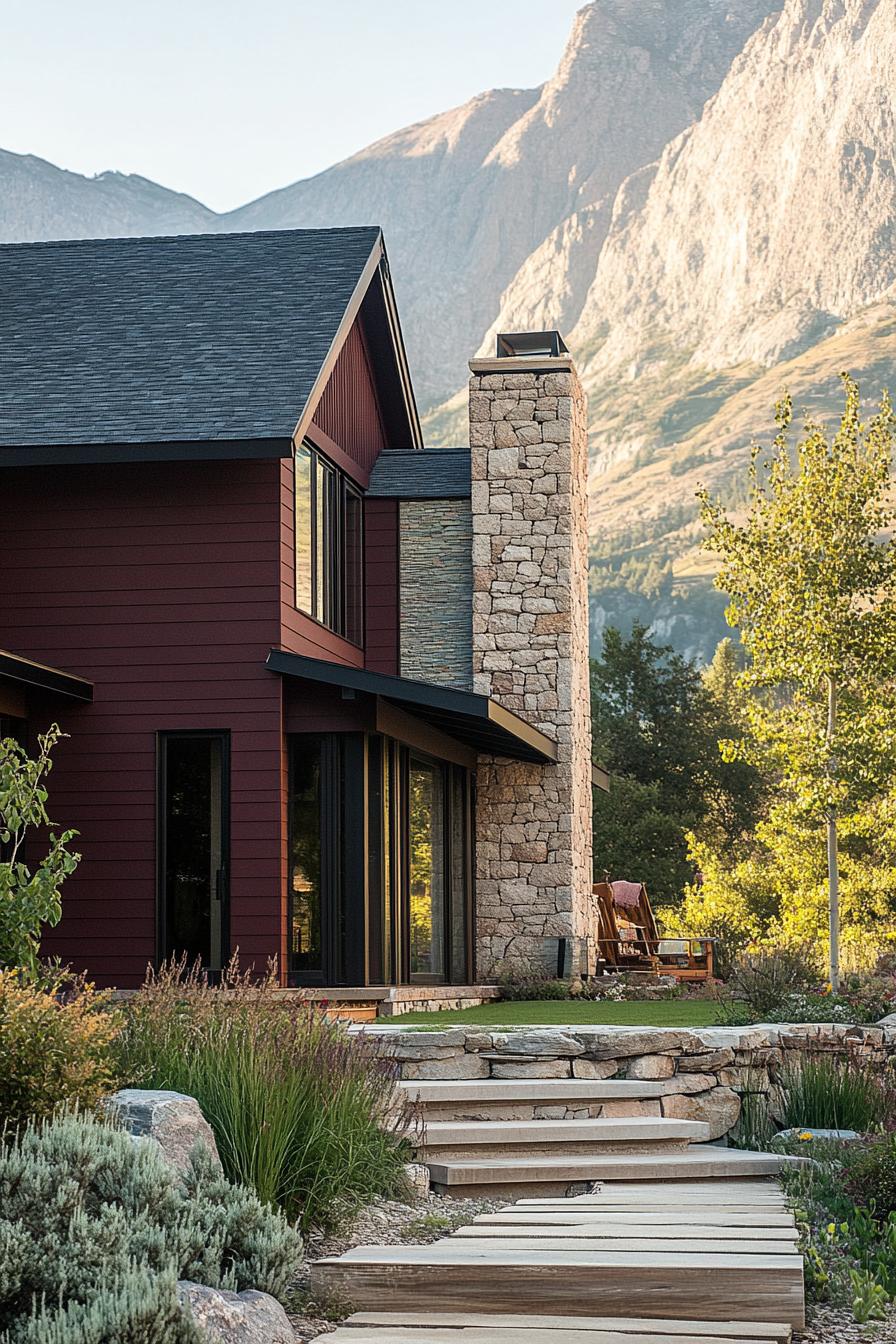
(325, 689)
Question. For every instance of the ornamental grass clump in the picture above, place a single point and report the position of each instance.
(823, 1093)
(303, 1112)
(96, 1230)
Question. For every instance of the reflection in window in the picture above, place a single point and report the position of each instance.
(329, 546)
(304, 565)
(426, 842)
(305, 943)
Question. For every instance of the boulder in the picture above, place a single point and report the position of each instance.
(171, 1120)
(457, 1066)
(720, 1109)
(594, 1068)
(418, 1178)
(546, 1044)
(651, 1067)
(542, 1068)
(236, 1318)
(425, 1045)
(713, 1059)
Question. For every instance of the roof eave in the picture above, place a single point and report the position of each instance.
(503, 733)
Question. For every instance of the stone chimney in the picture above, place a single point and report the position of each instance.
(529, 449)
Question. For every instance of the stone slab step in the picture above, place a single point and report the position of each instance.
(577, 1326)
(534, 1089)
(554, 1176)
(450, 1276)
(471, 1137)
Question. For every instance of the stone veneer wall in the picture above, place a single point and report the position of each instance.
(435, 539)
(529, 452)
(703, 1074)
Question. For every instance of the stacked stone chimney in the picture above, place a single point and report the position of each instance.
(530, 653)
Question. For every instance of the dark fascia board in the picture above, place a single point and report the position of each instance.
(92, 454)
(507, 734)
(24, 672)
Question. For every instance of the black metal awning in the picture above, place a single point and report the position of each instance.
(20, 671)
(475, 720)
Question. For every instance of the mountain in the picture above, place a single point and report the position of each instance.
(467, 198)
(39, 201)
(702, 198)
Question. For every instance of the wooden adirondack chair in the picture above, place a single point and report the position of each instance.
(629, 939)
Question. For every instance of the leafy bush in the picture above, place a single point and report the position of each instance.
(765, 979)
(304, 1113)
(82, 1206)
(823, 1093)
(871, 1181)
(28, 899)
(56, 1046)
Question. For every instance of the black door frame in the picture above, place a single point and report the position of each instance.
(222, 882)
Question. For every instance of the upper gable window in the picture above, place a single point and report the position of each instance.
(329, 545)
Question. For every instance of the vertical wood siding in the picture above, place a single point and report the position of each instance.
(348, 410)
(159, 583)
(381, 547)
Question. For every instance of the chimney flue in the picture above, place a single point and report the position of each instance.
(529, 344)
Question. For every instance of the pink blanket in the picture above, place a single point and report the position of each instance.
(626, 893)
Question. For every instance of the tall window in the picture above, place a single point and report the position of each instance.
(329, 546)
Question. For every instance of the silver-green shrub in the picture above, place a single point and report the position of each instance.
(96, 1229)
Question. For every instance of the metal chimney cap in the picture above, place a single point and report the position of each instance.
(534, 344)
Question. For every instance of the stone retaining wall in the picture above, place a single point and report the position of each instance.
(702, 1074)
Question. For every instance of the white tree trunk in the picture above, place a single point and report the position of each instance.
(833, 866)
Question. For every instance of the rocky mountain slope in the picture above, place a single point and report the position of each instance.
(702, 198)
(40, 201)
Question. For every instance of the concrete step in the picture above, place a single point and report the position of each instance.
(452, 1276)
(535, 1098)
(393, 1326)
(553, 1176)
(442, 1139)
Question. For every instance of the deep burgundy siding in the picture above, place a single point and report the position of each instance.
(158, 582)
(381, 578)
(348, 410)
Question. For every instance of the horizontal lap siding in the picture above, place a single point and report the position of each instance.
(159, 583)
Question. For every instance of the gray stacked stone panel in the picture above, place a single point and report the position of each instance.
(436, 576)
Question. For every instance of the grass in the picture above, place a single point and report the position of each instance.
(826, 1094)
(302, 1112)
(572, 1012)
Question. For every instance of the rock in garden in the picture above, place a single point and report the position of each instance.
(236, 1318)
(720, 1109)
(418, 1178)
(170, 1119)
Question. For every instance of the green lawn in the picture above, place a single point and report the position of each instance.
(572, 1012)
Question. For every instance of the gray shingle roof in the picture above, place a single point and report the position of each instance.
(435, 473)
(142, 340)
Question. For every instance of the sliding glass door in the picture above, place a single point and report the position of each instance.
(192, 847)
(380, 866)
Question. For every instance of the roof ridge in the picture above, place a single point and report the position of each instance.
(222, 235)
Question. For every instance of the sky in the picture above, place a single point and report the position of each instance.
(228, 99)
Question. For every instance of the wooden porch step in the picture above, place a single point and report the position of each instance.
(555, 1329)
(450, 1275)
(442, 1139)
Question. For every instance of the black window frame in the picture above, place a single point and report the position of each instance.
(332, 604)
